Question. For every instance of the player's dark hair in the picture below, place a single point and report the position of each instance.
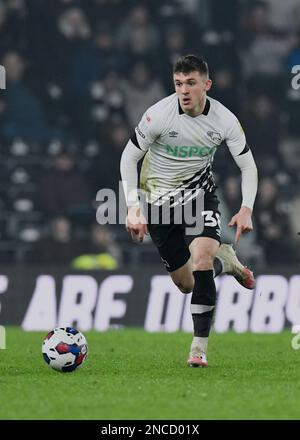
(191, 63)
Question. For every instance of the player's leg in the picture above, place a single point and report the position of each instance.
(203, 251)
(225, 260)
(174, 253)
(183, 277)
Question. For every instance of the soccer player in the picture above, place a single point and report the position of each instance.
(178, 137)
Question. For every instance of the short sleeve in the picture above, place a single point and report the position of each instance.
(235, 136)
(147, 131)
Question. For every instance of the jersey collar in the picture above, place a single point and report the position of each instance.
(205, 110)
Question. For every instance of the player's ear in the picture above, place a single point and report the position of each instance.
(208, 84)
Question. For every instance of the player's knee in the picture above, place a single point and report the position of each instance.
(203, 263)
(185, 287)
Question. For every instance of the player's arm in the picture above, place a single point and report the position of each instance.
(135, 222)
(145, 134)
(242, 219)
(243, 157)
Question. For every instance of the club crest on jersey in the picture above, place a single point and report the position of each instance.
(173, 134)
(215, 136)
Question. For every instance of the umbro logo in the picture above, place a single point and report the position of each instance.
(173, 134)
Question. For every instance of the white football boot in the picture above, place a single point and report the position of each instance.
(197, 358)
(233, 266)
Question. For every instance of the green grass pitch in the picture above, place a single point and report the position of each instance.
(131, 374)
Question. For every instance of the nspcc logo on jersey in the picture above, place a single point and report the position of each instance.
(190, 151)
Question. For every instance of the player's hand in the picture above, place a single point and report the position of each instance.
(136, 224)
(243, 222)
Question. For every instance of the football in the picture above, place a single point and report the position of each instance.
(65, 349)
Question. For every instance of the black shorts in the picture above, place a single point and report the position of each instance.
(173, 240)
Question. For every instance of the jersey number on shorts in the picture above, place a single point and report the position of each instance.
(211, 219)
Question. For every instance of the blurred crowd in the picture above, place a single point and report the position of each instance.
(79, 75)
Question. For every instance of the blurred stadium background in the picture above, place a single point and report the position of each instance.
(79, 75)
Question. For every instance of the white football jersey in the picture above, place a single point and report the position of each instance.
(180, 148)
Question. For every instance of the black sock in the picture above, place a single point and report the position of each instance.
(218, 267)
(202, 323)
(203, 302)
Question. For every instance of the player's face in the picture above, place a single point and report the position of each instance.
(191, 89)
